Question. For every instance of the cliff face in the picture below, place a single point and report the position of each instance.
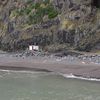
(52, 24)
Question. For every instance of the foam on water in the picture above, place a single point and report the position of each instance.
(9, 71)
(71, 76)
(16, 74)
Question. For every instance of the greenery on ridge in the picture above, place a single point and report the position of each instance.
(36, 11)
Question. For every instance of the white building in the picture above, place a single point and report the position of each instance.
(33, 47)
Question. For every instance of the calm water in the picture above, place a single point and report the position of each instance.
(45, 86)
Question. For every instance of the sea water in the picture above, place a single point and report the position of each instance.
(45, 86)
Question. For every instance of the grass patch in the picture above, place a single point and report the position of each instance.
(36, 11)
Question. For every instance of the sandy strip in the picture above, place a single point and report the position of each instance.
(78, 69)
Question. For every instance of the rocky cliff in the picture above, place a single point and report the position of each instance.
(52, 24)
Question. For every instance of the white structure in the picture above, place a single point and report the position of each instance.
(33, 47)
(30, 47)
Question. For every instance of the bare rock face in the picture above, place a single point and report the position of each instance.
(62, 4)
(96, 3)
(3, 2)
(75, 23)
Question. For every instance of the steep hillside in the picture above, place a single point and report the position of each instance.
(52, 24)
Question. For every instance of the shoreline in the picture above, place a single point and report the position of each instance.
(63, 66)
(30, 70)
(62, 72)
(71, 76)
(15, 68)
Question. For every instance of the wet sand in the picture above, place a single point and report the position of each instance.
(50, 65)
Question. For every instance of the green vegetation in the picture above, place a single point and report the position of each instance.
(37, 5)
(46, 2)
(52, 14)
(36, 11)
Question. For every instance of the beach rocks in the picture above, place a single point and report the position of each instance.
(95, 59)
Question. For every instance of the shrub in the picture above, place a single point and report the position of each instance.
(27, 11)
(46, 2)
(37, 5)
(52, 14)
(40, 12)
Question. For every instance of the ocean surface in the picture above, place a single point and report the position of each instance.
(45, 86)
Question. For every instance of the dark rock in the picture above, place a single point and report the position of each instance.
(10, 27)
